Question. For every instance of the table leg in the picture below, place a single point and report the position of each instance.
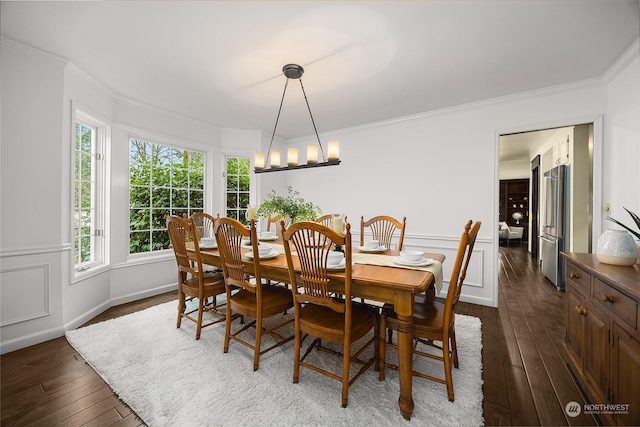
(404, 310)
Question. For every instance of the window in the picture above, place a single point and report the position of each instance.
(162, 181)
(238, 185)
(88, 192)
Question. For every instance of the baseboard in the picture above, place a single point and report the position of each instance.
(31, 339)
(85, 317)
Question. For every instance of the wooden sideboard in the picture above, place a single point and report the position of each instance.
(603, 335)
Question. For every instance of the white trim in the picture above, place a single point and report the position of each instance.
(35, 250)
(81, 74)
(113, 302)
(52, 59)
(31, 339)
(631, 54)
(162, 111)
(144, 258)
(150, 136)
(485, 103)
(47, 294)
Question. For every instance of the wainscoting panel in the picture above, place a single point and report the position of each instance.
(29, 284)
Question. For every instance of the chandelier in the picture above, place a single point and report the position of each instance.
(295, 71)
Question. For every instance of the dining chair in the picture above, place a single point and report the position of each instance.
(433, 320)
(318, 312)
(277, 220)
(203, 223)
(383, 227)
(193, 281)
(325, 220)
(252, 298)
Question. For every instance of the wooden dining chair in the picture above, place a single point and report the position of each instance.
(193, 281)
(433, 320)
(318, 312)
(203, 223)
(325, 220)
(276, 221)
(252, 298)
(383, 227)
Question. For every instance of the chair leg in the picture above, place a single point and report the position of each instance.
(227, 330)
(296, 355)
(181, 307)
(382, 346)
(200, 312)
(447, 368)
(346, 362)
(454, 347)
(376, 347)
(256, 353)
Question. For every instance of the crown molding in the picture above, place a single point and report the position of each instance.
(78, 72)
(32, 51)
(630, 55)
(536, 93)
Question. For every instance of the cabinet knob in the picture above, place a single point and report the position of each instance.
(581, 310)
(574, 275)
(607, 298)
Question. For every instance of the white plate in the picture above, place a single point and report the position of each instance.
(422, 263)
(272, 254)
(337, 267)
(378, 249)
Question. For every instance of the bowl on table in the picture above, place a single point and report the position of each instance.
(371, 244)
(411, 256)
(264, 250)
(334, 258)
(208, 241)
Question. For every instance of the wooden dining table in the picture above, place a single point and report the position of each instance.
(373, 282)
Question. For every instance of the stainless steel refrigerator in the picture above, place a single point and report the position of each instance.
(554, 225)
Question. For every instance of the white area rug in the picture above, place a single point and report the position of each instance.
(170, 379)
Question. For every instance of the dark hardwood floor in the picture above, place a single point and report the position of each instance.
(525, 379)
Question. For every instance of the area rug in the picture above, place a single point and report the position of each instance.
(170, 379)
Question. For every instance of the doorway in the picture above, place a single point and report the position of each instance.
(527, 155)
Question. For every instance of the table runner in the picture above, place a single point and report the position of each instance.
(387, 261)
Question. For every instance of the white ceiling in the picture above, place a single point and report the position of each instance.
(220, 62)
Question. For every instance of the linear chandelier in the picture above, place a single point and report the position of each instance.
(295, 71)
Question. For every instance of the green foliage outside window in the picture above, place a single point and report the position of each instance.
(84, 189)
(238, 186)
(162, 181)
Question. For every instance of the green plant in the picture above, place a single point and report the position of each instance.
(635, 218)
(292, 206)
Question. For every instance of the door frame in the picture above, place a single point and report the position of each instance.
(597, 169)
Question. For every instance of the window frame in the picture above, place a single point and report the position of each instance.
(100, 146)
(252, 182)
(172, 144)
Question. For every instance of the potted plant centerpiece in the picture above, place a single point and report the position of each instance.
(291, 206)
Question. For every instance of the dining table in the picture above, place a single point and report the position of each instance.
(376, 276)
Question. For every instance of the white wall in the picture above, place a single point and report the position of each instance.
(439, 169)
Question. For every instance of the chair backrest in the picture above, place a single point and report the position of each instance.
(459, 273)
(312, 242)
(383, 227)
(277, 219)
(180, 230)
(325, 220)
(229, 233)
(203, 224)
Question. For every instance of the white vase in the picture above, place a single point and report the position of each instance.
(617, 247)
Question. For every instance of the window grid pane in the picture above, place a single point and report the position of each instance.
(84, 196)
(160, 179)
(238, 184)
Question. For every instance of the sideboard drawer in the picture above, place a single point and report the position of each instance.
(620, 304)
(579, 277)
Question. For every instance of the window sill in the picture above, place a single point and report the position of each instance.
(80, 276)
